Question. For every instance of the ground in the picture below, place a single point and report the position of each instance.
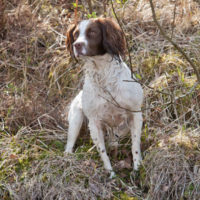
(38, 79)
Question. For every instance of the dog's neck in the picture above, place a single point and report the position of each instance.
(103, 71)
(100, 63)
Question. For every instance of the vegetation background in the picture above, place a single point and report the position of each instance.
(38, 79)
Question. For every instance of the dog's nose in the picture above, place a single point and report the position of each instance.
(79, 45)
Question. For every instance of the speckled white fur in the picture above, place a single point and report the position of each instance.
(105, 93)
(82, 37)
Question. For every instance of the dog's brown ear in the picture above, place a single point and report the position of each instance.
(70, 39)
(113, 37)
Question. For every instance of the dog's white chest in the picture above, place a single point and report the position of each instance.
(101, 102)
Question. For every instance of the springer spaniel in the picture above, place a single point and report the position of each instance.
(110, 98)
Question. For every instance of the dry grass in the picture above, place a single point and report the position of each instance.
(38, 80)
(34, 167)
(172, 167)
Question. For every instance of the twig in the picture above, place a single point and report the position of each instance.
(90, 6)
(130, 61)
(76, 16)
(148, 86)
(115, 103)
(187, 93)
(60, 34)
(2, 63)
(174, 17)
(129, 55)
(104, 7)
(172, 99)
(173, 43)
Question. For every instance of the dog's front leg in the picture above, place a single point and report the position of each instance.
(98, 139)
(136, 126)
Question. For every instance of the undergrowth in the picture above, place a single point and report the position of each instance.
(38, 80)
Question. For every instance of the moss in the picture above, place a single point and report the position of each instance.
(124, 196)
(142, 172)
(20, 157)
(188, 191)
(58, 145)
(4, 193)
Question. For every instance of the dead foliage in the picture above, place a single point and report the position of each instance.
(172, 167)
(34, 167)
(38, 79)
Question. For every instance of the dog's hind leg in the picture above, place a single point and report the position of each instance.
(75, 119)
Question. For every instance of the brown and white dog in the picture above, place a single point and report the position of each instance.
(109, 93)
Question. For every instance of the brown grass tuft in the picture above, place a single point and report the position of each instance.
(173, 168)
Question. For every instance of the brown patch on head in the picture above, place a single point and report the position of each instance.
(95, 39)
(101, 36)
(70, 39)
(113, 37)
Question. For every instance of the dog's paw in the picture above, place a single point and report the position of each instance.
(135, 175)
(68, 152)
(112, 175)
(136, 164)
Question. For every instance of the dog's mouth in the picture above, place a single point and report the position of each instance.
(80, 54)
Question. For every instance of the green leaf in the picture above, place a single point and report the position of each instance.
(93, 15)
(138, 76)
(181, 74)
(74, 4)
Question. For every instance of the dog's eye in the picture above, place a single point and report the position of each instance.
(76, 34)
(92, 33)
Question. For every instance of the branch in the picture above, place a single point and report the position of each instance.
(129, 55)
(158, 91)
(173, 43)
(115, 103)
(76, 15)
(173, 23)
(104, 7)
(130, 61)
(90, 6)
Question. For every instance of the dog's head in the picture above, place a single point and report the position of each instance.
(95, 37)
